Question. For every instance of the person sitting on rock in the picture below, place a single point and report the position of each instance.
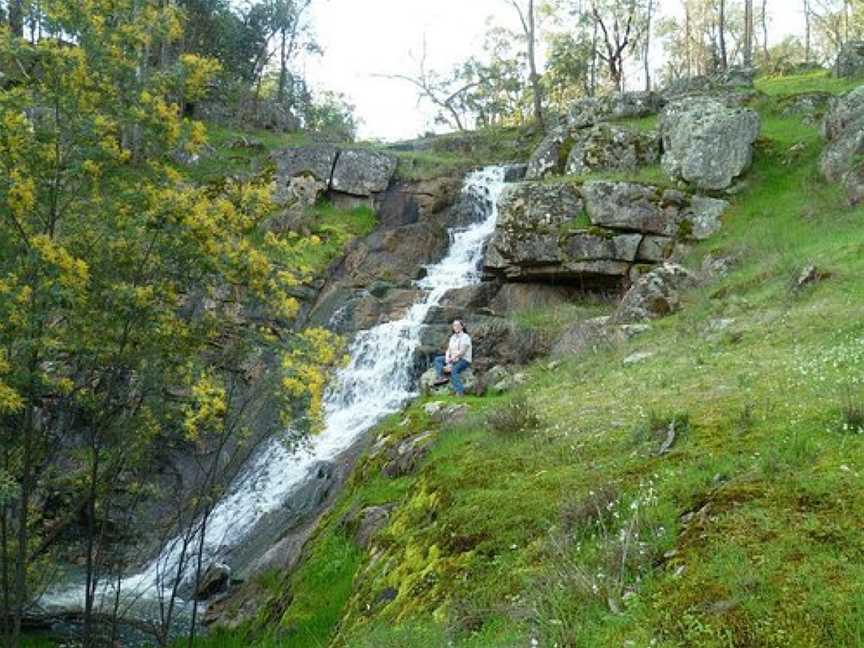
(456, 360)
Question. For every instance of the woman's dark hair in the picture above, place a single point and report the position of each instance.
(462, 322)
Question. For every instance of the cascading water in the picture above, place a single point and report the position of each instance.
(377, 381)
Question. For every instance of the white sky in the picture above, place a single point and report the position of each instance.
(362, 38)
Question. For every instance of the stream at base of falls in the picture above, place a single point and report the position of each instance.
(378, 380)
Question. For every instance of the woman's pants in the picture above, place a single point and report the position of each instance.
(458, 367)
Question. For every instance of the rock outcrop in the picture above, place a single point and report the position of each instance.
(305, 173)
(706, 143)
(809, 106)
(611, 147)
(593, 234)
(655, 294)
(843, 130)
(850, 60)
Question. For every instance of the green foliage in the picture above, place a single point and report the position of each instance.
(322, 586)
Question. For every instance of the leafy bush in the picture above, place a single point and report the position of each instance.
(515, 417)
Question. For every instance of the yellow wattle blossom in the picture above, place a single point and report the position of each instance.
(73, 273)
(22, 194)
(306, 366)
(209, 409)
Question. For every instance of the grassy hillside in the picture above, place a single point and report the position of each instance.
(575, 530)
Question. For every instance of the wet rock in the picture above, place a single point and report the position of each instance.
(843, 129)
(706, 143)
(403, 459)
(214, 581)
(362, 172)
(655, 294)
(850, 60)
(394, 255)
(609, 147)
(515, 172)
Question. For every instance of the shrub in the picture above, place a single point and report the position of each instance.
(517, 416)
(852, 413)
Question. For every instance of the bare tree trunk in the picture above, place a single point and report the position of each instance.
(688, 37)
(16, 17)
(748, 33)
(4, 541)
(721, 28)
(283, 68)
(529, 29)
(807, 32)
(594, 61)
(650, 12)
(765, 30)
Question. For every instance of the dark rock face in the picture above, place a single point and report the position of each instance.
(608, 147)
(542, 234)
(706, 143)
(843, 129)
(850, 60)
(214, 581)
(411, 233)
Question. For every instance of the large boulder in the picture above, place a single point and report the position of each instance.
(654, 294)
(850, 60)
(530, 219)
(362, 172)
(634, 207)
(610, 147)
(843, 129)
(302, 173)
(550, 155)
(706, 143)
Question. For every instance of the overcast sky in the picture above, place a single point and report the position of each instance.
(362, 38)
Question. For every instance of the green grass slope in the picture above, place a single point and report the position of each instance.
(572, 528)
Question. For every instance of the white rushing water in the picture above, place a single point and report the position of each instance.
(377, 381)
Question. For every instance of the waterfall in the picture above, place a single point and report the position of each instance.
(378, 380)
